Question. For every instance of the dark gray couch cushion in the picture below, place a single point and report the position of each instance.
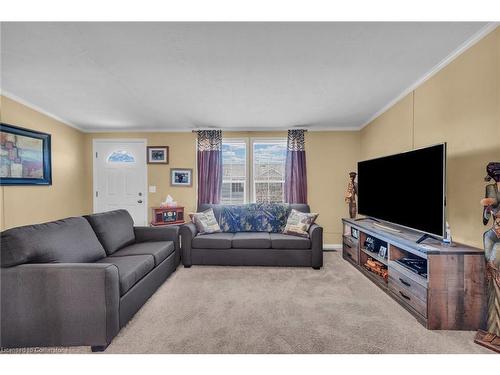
(251, 240)
(160, 250)
(115, 229)
(285, 241)
(212, 241)
(131, 269)
(70, 240)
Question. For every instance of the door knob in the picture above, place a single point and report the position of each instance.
(139, 201)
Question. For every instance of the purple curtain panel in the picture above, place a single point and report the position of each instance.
(295, 170)
(209, 166)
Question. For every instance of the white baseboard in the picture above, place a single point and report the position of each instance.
(331, 247)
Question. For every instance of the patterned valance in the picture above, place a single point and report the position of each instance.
(296, 140)
(209, 140)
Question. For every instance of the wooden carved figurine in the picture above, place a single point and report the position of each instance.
(350, 195)
(491, 238)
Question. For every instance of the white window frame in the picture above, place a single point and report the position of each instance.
(249, 185)
(254, 140)
(246, 185)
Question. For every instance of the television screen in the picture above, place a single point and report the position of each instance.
(407, 189)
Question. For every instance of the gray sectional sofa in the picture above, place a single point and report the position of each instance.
(79, 280)
(251, 248)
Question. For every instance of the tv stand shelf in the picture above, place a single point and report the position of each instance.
(374, 256)
(448, 294)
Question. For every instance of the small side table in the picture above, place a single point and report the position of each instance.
(167, 216)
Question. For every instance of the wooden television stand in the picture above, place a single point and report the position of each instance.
(448, 294)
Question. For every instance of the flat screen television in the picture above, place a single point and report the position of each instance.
(406, 189)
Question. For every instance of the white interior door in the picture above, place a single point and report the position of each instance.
(120, 177)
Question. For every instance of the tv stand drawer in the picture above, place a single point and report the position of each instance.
(408, 298)
(405, 283)
(350, 252)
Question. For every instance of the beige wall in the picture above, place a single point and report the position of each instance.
(330, 157)
(389, 133)
(182, 154)
(460, 105)
(69, 194)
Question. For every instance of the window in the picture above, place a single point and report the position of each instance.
(258, 177)
(234, 172)
(269, 158)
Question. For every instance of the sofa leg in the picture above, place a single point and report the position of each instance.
(186, 266)
(99, 348)
(317, 268)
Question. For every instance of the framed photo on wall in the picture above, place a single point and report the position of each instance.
(181, 177)
(157, 154)
(25, 156)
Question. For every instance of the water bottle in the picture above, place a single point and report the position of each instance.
(447, 238)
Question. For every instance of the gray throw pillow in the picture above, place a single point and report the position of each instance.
(298, 223)
(205, 222)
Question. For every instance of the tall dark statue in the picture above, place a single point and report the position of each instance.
(491, 239)
(350, 195)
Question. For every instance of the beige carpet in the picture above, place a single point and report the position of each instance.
(277, 310)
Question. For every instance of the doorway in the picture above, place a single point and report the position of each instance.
(120, 177)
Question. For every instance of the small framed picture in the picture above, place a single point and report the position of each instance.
(382, 252)
(157, 154)
(181, 177)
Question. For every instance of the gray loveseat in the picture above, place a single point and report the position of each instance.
(79, 280)
(251, 248)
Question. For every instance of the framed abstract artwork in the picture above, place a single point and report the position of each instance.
(24, 156)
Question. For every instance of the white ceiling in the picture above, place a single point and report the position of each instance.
(239, 76)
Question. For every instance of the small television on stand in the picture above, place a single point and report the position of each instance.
(406, 189)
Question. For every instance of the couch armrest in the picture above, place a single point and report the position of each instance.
(316, 236)
(188, 232)
(59, 304)
(167, 233)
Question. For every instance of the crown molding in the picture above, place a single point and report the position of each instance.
(41, 110)
(190, 130)
(487, 29)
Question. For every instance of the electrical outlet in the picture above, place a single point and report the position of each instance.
(152, 189)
